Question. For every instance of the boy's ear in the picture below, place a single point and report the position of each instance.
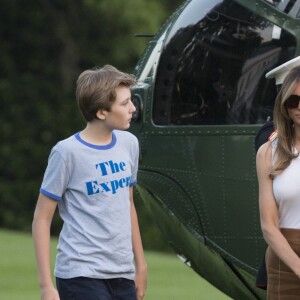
(101, 114)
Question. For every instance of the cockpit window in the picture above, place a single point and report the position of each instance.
(212, 71)
(289, 7)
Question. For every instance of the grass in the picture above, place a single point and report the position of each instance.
(168, 278)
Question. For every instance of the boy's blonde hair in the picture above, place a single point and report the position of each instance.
(96, 89)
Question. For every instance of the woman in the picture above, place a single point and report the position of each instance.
(278, 170)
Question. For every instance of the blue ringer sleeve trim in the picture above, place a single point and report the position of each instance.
(50, 195)
(133, 183)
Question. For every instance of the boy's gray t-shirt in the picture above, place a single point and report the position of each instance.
(91, 184)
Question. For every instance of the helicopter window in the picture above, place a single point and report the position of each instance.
(289, 7)
(213, 70)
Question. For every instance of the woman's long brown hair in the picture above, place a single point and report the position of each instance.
(284, 125)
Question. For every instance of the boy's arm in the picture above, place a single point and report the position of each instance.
(140, 262)
(43, 215)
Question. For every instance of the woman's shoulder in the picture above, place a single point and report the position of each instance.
(264, 153)
(264, 148)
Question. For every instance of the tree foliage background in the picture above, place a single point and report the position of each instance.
(45, 45)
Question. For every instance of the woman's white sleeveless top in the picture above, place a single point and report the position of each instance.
(286, 189)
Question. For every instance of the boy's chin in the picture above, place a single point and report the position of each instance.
(123, 128)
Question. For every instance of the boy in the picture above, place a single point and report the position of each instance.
(90, 176)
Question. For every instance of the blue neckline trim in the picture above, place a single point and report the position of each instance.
(97, 147)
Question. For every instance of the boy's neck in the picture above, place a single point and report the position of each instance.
(97, 134)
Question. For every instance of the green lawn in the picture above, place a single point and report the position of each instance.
(168, 278)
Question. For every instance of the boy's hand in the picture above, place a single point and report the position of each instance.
(49, 294)
(141, 283)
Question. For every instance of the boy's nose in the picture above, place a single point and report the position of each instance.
(133, 108)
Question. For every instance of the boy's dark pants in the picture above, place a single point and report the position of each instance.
(82, 288)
